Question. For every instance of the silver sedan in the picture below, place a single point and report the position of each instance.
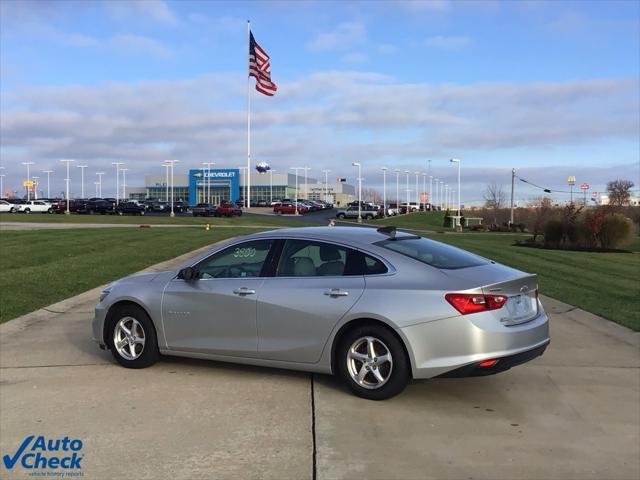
(375, 307)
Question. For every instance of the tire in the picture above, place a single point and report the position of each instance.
(145, 353)
(341, 216)
(12, 210)
(120, 213)
(92, 212)
(50, 211)
(27, 211)
(395, 374)
(141, 213)
(368, 217)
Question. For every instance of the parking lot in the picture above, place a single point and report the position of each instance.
(572, 413)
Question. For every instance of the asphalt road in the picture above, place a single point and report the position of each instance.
(573, 413)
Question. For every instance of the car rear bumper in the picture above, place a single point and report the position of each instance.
(461, 343)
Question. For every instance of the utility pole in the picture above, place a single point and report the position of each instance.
(81, 167)
(48, 172)
(67, 183)
(513, 183)
(99, 174)
(117, 164)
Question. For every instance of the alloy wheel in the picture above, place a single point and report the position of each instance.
(369, 362)
(129, 338)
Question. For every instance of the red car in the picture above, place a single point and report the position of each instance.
(227, 210)
(61, 206)
(289, 208)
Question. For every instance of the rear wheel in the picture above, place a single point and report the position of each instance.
(372, 362)
(27, 210)
(50, 211)
(341, 216)
(132, 338)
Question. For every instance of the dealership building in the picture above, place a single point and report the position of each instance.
(230, 184)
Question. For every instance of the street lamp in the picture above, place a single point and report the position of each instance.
(81, 167)
(384, 191)
(171, 163)
(424, 190)
(417, 190)
(326, 184)
(397, 170)
(306, 169)
(117, 164)
(99, 174)
(35, 187)
(1, 178)
(28, 178)
(96, 185)
(407, 173)
(441, 190)
(67, 183)
(430, 189)
(166, 182)
(457, 160)
(124, 183)
(435, 197)
(207, 186)
(271, 185)
(48, 172)
(296, 169)
(357, 164)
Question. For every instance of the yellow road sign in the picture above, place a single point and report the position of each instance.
(27, 183)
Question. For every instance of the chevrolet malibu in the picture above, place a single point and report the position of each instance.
(376, 307)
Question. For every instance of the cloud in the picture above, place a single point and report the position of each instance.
(448, 42)
(328, 117)
(155, 10)
(344, 36)
(129, 43)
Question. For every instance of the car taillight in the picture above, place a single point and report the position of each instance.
(467, 303)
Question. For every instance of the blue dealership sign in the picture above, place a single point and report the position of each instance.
(217, 178)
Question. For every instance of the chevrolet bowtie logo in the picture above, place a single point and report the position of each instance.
(199, 174)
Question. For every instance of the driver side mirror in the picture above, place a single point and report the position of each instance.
(188, 274)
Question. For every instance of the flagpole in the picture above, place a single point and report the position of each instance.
(247, 187)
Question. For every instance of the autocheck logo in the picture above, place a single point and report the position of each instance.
(38, 453)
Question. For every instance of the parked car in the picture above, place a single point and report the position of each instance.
(130, 208)
(180, 206)
(6, 206)
(376, 307)
(14, 204)
(35, 206)
(227, 209)
(262, 203)
(352, 212)
(203, 210)
(61, 206)
(289, 208)
(102, 206)
(409, 207)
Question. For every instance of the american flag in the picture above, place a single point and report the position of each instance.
(260, 68)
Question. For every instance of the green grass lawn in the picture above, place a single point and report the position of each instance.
(265, 220)
(416, 221)
(41, 267)
(606, 284)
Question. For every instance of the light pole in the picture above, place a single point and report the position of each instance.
(81, 167)
(296, 169)
(326, 184)
(440, 195)
(35, 187)
(435, 197)
(117, 164)
(459, 162)
(96, 185)
(124, 183)
(28, 178)
(430, 196)
(397, 170)
(166, 182)
(1, 178)
(67, 183)
(306, 169)
(384, 191)
(417, 190)
(48, 172)
(208, 177)
(171, 163)
(271, 185)
(424, 190)
(407, 173)
(357, 164)
(99, 174)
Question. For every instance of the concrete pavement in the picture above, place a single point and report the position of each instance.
(573, 413)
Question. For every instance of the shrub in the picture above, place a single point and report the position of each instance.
(448, 222)
(616, 231)
(478, 228)
(553, 233)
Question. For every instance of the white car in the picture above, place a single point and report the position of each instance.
(38, 206)
(5, 206)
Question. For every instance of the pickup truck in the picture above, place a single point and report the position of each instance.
(352, 212)
(35, 206)
(227, 210)
(132, 208)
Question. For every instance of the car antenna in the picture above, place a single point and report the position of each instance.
(390, 231)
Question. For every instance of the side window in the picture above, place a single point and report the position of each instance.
(373, 266)
(238, 261)
(303, 258)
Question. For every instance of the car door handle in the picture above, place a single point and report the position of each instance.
(336, 292)
(244, 291)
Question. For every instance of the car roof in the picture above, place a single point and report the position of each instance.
(353, 235)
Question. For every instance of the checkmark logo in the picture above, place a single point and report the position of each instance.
(10, 462)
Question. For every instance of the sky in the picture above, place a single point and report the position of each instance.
(549, 88)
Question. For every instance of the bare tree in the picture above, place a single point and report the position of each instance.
(494, 196)
(619, 192)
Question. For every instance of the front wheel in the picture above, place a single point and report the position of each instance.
(27, 211)
(372, 362)
(132, 338)
(341, 216)
(50, 211)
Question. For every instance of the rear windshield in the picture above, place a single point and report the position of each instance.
(432, 253)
